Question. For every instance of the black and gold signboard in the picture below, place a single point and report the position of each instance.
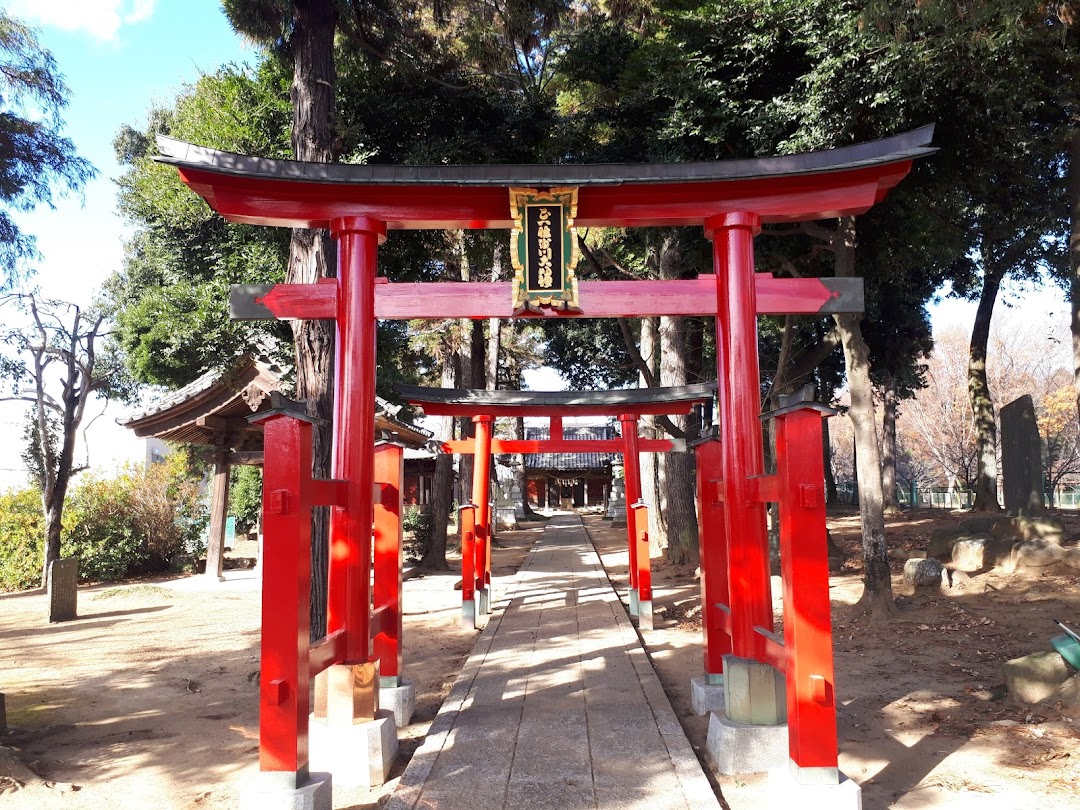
(543, 248)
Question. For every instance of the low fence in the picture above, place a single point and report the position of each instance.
(944, 498)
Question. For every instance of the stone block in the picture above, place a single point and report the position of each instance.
(1033, 678)
(942, 541)
(1021, 456)
(1035, 555)
(1043, 529)
(736, 748)
(359, 755)
(270, 792)
(706, 697)
(1071, 557)
(785, 790)
(979, 524)
(1068, 695)
(754, 693)
(923, 573)
(63, 589)
(645, 614)
(400, 700)
(970, 554)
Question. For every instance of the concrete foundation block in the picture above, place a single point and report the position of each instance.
(736, 748)
(645, 614)
(706, 697)
(359, 755)
(271, 792)
(399, 700)
(468, 614)
(754, 693)
(786, 791)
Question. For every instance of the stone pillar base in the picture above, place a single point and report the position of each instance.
(645, 615)
(705, 695)
(786, 791)
(359, 755)
(468, 614)
(484, 601)
(754, 693)
(269, 791)
(633, 602)
(736, 748)
(400, 700)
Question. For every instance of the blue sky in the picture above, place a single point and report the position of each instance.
(119, 58)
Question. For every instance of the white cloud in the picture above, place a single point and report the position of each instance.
(102, 19)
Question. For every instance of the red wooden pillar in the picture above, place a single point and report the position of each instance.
(386, 637)
(712, 539)
(811, 701)
(632, 472)
(467, 527)
(284, 676)
(740, 429)
(481, 495)
(639, 520)
(349, 588)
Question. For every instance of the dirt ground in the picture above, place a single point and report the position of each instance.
(149, 699)
(924, 721)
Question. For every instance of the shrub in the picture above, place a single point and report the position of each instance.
(245, 496)
(134, 523)
(22, 534)
(417, 523)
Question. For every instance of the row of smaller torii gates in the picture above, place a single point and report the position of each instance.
(730, 200)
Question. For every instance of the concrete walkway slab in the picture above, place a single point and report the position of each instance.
(557, 706)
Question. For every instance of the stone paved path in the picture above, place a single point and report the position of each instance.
(557, 706)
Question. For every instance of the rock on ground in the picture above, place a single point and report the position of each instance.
(1067, 696)
(942, 541)
(1033, 678)
(1029, 529)
(1035, 555)
(923, 573)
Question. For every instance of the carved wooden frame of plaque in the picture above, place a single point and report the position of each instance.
(566, 295)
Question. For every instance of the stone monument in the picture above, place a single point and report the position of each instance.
(507, 497)
(616, 507)
(1021, 458)
(63, 589)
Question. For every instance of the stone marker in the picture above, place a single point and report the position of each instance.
(1033, 678)
(63, 590)
(1021, 458)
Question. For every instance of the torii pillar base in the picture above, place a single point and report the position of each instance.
(274, 791)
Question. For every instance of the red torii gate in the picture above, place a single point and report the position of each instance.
(729, 199)
(483, 406)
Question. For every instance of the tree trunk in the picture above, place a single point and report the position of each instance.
(312, 256)
(649, 478)
(677, 496)
(442, 485)
(888, 447)
(982, 405)
(1074, 256)
(832, 497)
(877, 598)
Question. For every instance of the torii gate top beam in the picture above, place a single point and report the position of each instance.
(477, 402)
(295, 194)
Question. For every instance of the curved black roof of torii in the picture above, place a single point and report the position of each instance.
(476, 402)
(902, 147)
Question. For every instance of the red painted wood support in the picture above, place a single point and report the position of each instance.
(600, 299)
(467, 528)
(284, 674)
(640, 521)
(804, 561)
(386, 639)
(349, 586)
(632, 471)
(555, 428)
(499, 446)
(713, 553)
(740, 430)
(481, 495)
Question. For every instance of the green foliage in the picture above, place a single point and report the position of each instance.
(36, 162)
(134, 523)
(245, 496)
(22, 532)
(418, 524)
